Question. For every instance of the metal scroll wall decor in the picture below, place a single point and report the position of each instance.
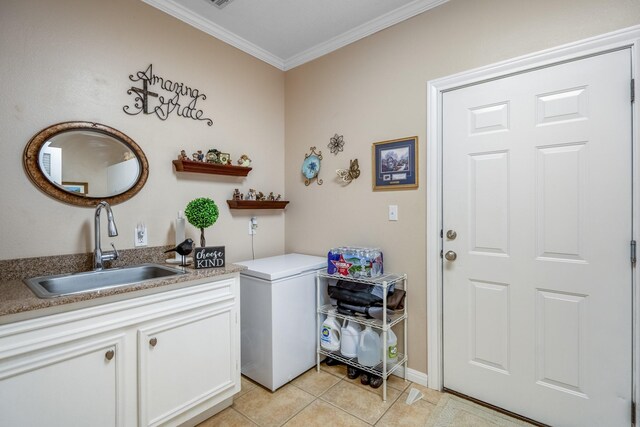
(176, 97)
(336, 143)
(311, 166)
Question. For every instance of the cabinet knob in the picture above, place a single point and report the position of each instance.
(109, 354)
(153, 341)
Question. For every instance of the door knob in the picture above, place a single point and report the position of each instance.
(109, 354)
(153, 342)
(451, 234)
(450, 256)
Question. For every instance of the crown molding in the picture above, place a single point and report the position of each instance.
(378, 24)
(185, 15)
(401, 14)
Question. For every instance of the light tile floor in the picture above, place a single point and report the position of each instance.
(329, 398)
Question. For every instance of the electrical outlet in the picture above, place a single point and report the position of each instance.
(253, 225)
(393, 212)
(140, 235)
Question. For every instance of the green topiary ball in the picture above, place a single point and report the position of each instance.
(201, 212)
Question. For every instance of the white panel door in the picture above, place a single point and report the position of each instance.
(537, 185)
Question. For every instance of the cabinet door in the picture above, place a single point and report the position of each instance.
(187, 361)
(74, 384)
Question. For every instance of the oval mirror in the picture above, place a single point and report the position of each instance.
(82, 163)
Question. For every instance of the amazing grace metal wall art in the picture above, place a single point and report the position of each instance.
(180, 99)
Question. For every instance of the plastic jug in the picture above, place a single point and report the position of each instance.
(349, 339)
(330, 334)
(369, 348)
(392, 346)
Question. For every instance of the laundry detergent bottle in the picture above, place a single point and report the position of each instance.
(392, 346)
(330, 334)
(369, 347)
(350, 334)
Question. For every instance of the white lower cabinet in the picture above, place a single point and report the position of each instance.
(170, 358)
(185, 361)
(74, 384)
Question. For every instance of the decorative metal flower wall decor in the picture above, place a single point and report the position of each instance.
(336, 143)
(311, 166)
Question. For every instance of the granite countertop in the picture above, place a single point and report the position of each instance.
(18, 302)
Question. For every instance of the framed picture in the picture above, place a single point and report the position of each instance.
(395, 164)
(76, 187)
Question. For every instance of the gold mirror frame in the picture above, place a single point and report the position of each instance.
(35, 174)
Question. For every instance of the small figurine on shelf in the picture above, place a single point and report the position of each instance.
(271, 197)
(251, 195)
(212, 156)
(198, 156)
(244, 160)
(183, 155)
(278, 198)
(223, 158)
(237, 195)
(261, 196)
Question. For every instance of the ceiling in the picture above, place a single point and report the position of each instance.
(288, 33)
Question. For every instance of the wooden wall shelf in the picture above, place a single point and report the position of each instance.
(210, 168)
(257, 204)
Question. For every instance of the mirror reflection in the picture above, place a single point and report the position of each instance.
(89, 163)
(82, 163)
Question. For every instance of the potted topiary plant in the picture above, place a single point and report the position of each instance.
(201, 213)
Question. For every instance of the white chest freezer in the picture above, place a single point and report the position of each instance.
(278, 317)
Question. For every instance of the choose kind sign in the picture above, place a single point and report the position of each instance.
(209, 257)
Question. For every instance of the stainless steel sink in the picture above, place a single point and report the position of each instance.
(76, 283)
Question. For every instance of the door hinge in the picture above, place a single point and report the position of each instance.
(633, 253)
(441, 234)
(633, 90)
(633, 413)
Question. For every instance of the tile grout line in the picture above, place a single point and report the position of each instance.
(303, 408)
(348, 381)
(353, 415)
(390, 406)
(331, 373)
(337, 407)
(242, 413)
(244, 416)
(344, 379)
(400, 393)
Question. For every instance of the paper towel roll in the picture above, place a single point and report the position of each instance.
(180, 235)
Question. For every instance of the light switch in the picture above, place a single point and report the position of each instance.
(393, 212)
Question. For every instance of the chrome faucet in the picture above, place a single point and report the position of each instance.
(98, 256)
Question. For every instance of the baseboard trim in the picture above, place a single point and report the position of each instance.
(413, 376)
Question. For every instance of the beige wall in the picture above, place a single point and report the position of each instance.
(70, 60)
(375, 90)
